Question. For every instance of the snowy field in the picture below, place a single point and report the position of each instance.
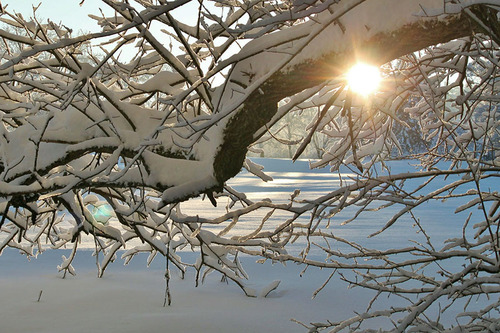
(34, 297)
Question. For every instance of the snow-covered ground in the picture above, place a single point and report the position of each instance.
(131, 299)
(34, 297)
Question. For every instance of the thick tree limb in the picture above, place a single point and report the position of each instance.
(261, 105)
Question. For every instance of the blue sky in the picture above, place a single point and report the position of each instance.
(74, 16)
(69, 12)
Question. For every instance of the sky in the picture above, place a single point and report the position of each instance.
(76, 17)
(71, 14)
(68, 12)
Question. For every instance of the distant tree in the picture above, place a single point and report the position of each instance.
(165, 112)
(285, 136)
(410, 138)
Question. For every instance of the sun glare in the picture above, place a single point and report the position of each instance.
(363, 79)
(102, 213)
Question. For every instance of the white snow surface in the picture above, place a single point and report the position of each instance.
(130, 299)
(35, 298)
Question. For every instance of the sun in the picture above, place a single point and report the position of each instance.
(363, 79)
